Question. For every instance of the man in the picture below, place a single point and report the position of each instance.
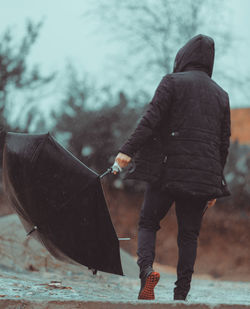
(180, 148)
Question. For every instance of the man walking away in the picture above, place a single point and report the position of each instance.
(180, 147)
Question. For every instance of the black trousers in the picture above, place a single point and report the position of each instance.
(189, 214)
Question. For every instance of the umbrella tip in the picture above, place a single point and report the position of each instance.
(31, 231)
(94, 271)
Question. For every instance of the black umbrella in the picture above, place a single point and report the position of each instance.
(60, 201)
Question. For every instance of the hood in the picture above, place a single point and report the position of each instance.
(196, 54)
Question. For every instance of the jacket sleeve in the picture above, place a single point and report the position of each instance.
(157, 109)
(225, 135)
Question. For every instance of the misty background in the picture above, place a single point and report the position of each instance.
(97, 42)
(86, 70)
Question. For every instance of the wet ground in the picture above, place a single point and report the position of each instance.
(45, 287)
(31, 278)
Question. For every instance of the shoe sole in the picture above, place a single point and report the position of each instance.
(148, 290)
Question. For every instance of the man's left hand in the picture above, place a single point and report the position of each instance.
(211, 203)
(123, 160)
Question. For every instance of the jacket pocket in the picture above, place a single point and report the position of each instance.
(147, 161)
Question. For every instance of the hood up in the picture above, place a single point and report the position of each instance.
(196, 54)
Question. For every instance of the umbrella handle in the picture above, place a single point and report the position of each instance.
(114, 168)
(109, 170)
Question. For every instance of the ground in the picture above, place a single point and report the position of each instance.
(39, 289)
(31, 278)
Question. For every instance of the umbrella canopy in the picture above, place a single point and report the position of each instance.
(62, 198)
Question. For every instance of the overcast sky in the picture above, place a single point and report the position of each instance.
(64, 37)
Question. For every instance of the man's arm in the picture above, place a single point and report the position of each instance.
(225, 135)
(158, 107)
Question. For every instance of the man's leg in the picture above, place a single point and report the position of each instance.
(155, 206)
(189, 214)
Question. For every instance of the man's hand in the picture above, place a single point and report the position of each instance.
(123, 160)
(211, 203)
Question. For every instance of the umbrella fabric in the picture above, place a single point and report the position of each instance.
(52, 190)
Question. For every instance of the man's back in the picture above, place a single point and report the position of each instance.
(198, 102)
(192, 135)
(190, 116)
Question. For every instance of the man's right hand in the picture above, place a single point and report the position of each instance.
(122, 159)
(211, 203)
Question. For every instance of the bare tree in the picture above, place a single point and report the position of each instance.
(153, 29)
(93, 135)
(15, 73)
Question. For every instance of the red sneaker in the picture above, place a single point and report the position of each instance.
(148, 283)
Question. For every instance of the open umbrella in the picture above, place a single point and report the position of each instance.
(60, 201)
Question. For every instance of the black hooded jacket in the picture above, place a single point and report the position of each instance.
(182, 140)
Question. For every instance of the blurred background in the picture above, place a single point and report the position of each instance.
(86, 70)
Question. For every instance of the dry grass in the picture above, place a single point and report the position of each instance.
(223, 251)
(240, 124)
